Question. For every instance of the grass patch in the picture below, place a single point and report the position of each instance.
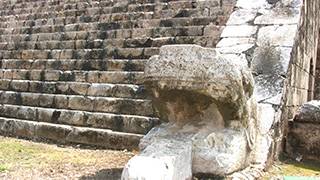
(288, 167)
(16, 154)
(4, 168)
(304, 168)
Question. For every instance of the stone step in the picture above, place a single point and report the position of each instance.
(79, 117)
(82, 54)
(73, 134)
(88, 89)
(28, 27)
(107, 48)
(73, 65)
(74, 88)
(97, 39)
(128, 123)
(121, 96)
(27, 79)
(91, 9)
(99, 48)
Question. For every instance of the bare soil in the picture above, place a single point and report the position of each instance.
(25, 159)
(51, 161)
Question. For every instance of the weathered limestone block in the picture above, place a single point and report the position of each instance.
(25, 112)
(302, 137)
(278, 15)
(72, 117)
(45, 115)
(125, 91)
(199, 73)
(4, 84)
(79, 88)
(10, 98)
(46, 100)
(174, 162)
(206, 102)
(239, 31)
(6, 125)
(19, 85)
(22, 128)
(100, 90)
(61, 101)
(52, 131)
(242, 16)
(107, 104)
(86, 135)
(282, 35)
(309, 113)
(80, 103)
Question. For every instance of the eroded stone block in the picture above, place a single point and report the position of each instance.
(309, 113)
(187, 86)
(172, 163)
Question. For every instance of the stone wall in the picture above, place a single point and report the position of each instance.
(72, 70)
(301, 75)
(303, 86)
(317, 78)
(278, 40)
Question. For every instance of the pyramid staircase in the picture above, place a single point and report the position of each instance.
(72, 71)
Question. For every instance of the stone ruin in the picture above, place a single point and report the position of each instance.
(222, 109)
(224, 79)
(205, 101)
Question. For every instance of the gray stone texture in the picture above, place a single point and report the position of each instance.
(46, 62)
(308, 113)
(282, 60)
(302, 140)
(216, 126)
(301, 85)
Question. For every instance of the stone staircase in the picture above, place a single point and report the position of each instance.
(73, 70)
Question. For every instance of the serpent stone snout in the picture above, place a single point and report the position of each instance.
(205, 101)
(184, 80)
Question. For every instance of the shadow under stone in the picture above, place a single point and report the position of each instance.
(110, 174)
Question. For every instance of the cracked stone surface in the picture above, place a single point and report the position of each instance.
(187, 85)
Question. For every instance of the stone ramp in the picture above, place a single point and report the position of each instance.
(74, 68)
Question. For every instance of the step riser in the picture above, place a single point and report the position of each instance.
(72, 65)
(83, 103)
(65, 133)
(72, 88)
(121, 123)
(74, 76)
(83, 54)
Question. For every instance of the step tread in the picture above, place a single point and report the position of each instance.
(139, 107)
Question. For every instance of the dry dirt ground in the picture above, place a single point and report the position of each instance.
(24, 159)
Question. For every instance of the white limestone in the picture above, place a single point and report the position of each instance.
(278, 16)
(164, 159)
(239, 31)
(210, 128)
(282, 36)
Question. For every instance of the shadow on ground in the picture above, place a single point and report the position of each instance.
(110, 174)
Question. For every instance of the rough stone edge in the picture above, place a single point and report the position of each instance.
(255, 170)
(69, 134)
